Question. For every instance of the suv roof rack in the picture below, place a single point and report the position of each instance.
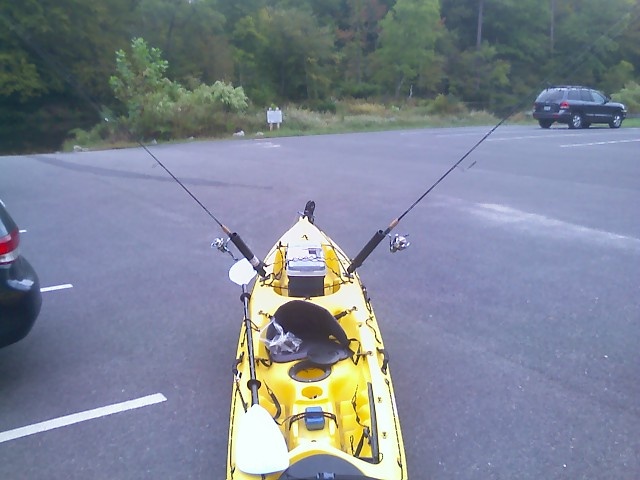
(566, 86)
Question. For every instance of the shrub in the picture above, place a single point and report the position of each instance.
(360, 90)
(303, 120)
(322, 106)
(630, 96)
(446, 105)
(159, 108)
(364, 108)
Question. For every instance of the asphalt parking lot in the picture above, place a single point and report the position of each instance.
(511, 321)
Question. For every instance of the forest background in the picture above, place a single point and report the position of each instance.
(66, 64)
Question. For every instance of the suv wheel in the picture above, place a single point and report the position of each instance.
(616, 121)
(545, 123)
(575, 121)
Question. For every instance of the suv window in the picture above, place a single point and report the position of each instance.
(550, 96)
(585, 95)
(574, 94)
(598, 97)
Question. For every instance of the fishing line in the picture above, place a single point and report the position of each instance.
(381, 234)
(64, 75)
(234, 237)
(225, 229)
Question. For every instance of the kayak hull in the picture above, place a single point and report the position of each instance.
(323, 369)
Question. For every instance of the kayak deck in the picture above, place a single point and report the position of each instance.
(335, 398)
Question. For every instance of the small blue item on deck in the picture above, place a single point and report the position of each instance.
(314, 418)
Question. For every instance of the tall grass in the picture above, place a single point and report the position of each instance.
(349, 116)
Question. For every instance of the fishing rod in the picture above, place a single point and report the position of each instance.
(234, 237)
(381, 234)
(399, 242)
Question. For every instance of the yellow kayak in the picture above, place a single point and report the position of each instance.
(312, 395)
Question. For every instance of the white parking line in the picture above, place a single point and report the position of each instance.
(56, 287)
(542, 225)
(81, 417)
(599, 143)
(527, 137)
(464, 134)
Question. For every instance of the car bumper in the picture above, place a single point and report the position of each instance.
(562, 116)
(20, 300)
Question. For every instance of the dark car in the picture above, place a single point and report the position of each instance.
(578, 107)
(20, 297)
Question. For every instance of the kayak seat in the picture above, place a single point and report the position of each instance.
(323, 340)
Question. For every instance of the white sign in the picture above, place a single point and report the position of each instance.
(274, 116)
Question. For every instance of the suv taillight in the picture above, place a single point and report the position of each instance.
(9, 247)
(564, 105)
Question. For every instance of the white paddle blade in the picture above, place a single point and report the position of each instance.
(259, 444)
(241, 272)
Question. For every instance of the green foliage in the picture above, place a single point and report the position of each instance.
(617, 77)
(303, 120)
(191, 35)
(159, 107)
(322, 106)
(282, 52)
(138, 75)
(478, 76)
(361, 90)
(356, 39)
(364, 108)
(19, 77)
(409, 34)
(446, 105)
(232, 99)
(54, 47)
(304, 51)
(630, 96)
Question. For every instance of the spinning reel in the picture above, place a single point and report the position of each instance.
(398, 243)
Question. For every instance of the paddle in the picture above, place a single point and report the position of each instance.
(260, 446)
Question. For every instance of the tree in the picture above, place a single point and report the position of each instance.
(587, 37)
(158, 106)
(357, 37)
(479, 77)
(139, 74)
(291, 52)
(55, 60)
(58, 46)
(407, 44)
(191, 35)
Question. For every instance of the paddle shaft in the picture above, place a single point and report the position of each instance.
(253, 383)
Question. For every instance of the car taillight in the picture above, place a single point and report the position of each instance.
(9, 247)
(564, 105)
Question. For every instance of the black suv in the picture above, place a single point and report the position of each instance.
(576, 106)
